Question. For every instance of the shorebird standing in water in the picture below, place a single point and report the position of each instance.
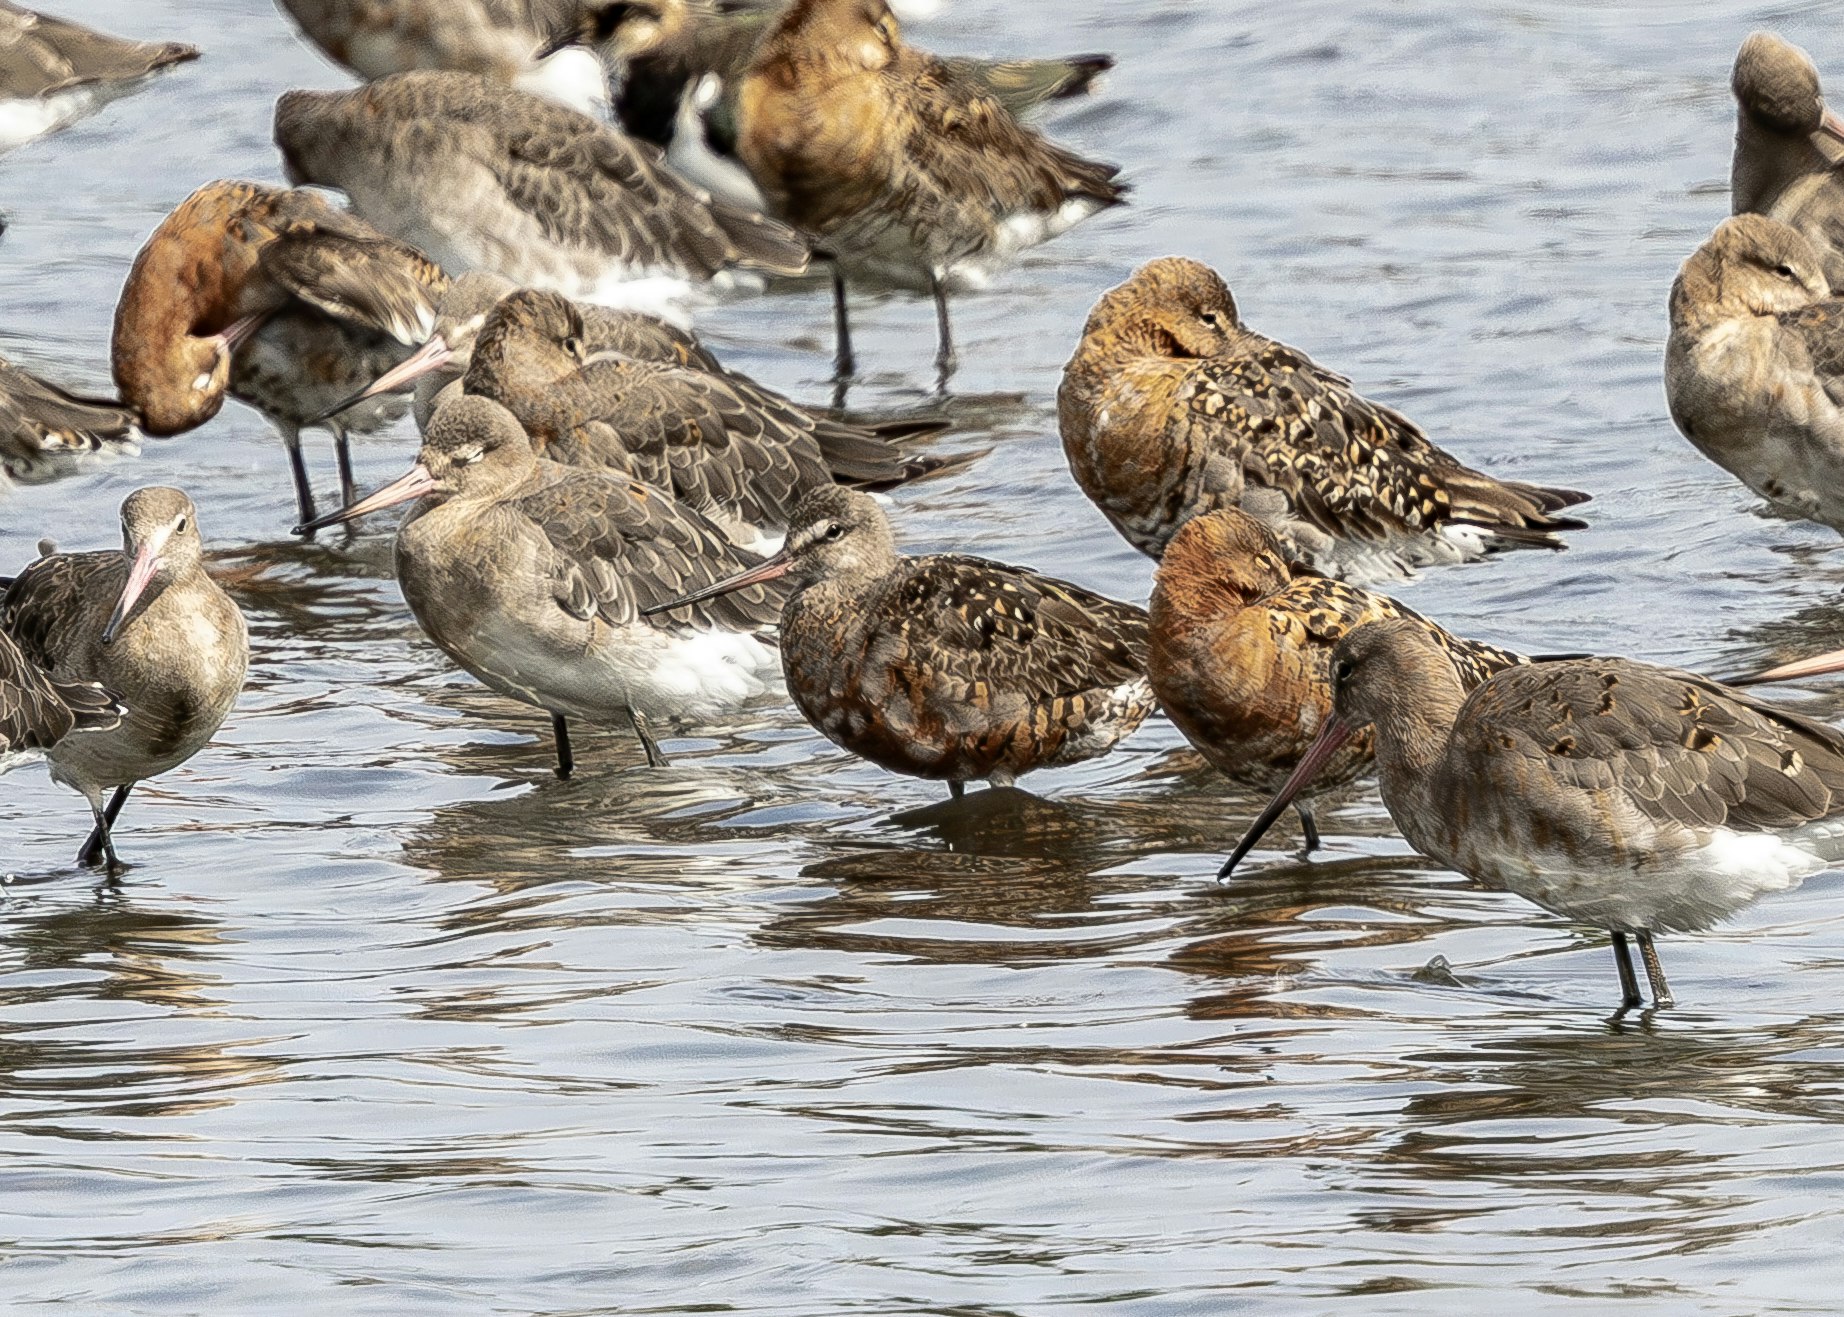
(149, 626)
(900, 167)
(1634, 798)
(1754, 367)
(1788, 147)
(481, 176)
(537, 578)
(1172, 407)
(275, 297)
(1240, 653)
(949, 668)
(53, 71)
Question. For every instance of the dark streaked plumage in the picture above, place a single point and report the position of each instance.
(1639, 799)
(533, 577)
(148, 625)
(738, 453)
(1789, 147)
(43, 427)
(1240, 651)
(1171, 407)
(482, 176)
(899, 166)
(276, 297)
(947, 667)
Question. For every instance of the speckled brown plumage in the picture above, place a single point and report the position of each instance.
(948, 667)
(901, 167)
(483, 176)
(661, 46)
(1636, 798)
(739, 453)
(274, 296)
(37, 712)
(1171, 407)
(1789, 147)
(1241, 650)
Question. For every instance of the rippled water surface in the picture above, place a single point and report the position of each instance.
(385, 1019)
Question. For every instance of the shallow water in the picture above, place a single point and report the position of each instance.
(387, 1020)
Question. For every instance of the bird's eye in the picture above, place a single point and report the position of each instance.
(1785, 272)
(1212, 319)
(470, 456)
(833, 531)
(1341, 671)
(574, 346)
(180, 526)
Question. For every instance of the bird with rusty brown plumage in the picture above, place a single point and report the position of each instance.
(1240, 653)
(1172, 407)
(278, 298)
(1635, 798)
(739, 454)
(903, 169)
(945, 667)
(148, 625)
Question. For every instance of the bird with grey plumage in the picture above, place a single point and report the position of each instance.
(46, 430)
(537, 578)
(1789, 147)
(1634, 798)
(945, 667)
(148, 625)
(482, 176)
(1172, 406)
(36, 712)
(515, 42)
(54, 71)
(1754, 366)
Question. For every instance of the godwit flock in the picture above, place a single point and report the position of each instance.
(608, 524)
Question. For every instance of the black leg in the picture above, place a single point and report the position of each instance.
(1308, 827)
(845, 362)
(101, 843)
(304, 492)
(566, 762)
(655, 759)
(1629, 982)
(342, 450)
(945, 357)
(1655, 972)
(956, 790)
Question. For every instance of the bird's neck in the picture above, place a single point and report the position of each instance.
(1411, 746)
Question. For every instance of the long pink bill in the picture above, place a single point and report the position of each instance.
(1330, 741)
(1831, 125)
(1816, 666)
(413, 484)
(427, 359)
(140, 573)
(769, 569)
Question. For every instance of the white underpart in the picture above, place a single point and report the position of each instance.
(914, 11)
(691, 155)
(1017, 233)
(573, 77)
(24, 118)
(1673, 888)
